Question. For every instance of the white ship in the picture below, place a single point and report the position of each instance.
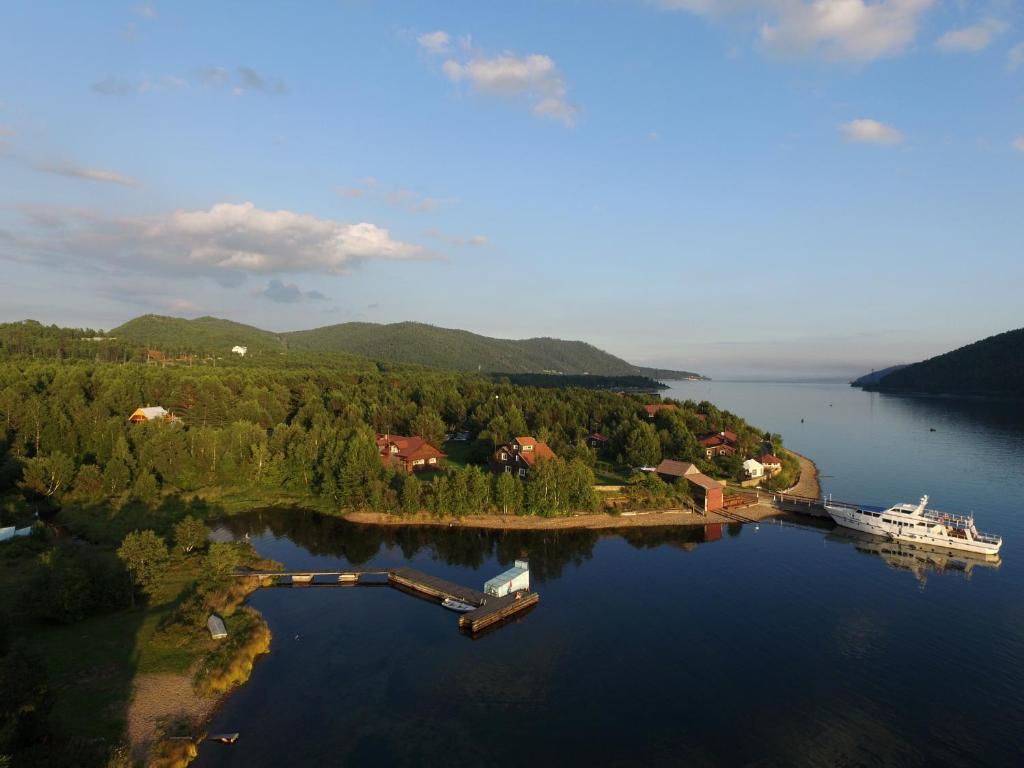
(916, 525)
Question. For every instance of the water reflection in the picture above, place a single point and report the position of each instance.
(918, 559)
(548, 551)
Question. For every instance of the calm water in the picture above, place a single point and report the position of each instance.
(767, 646)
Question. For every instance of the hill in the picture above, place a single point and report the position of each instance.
(464, 351)
(203, 334)
(870, 379)
(990, 367)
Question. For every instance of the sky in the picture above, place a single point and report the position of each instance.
(739, 187)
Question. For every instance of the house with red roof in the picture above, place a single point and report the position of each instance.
(654, 408)
(520, 456)
(409, 454)
(772, 464)
(719, 444)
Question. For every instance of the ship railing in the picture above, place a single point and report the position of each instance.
(988, 538)
(948, 518)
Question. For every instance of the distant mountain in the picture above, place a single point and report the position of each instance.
(464, 351)
(992, 367)
(201, 335)
(415, 343)
(871, 379)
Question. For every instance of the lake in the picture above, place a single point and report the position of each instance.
(763, 645)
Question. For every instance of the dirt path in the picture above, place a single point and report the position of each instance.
(808, 484)
(649, 519)
(156, 697)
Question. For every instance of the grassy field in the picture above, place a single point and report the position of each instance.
(607, 474)
(458, 452)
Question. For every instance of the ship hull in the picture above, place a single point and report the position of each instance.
(849, 518)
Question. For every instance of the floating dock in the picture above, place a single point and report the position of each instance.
(434, 587)
(489, 612)
(497, 609)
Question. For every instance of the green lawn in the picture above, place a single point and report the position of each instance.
(457, 452)
(606, 473)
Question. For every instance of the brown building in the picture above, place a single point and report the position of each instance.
(153, 413)
(409, 454)
(719, 444)
(670, 470)
(597, 441)
(707, 493)
(652, 410)
(520, 456)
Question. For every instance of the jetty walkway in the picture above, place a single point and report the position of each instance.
(487, 612)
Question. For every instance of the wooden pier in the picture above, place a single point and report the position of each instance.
(432, 586)
(497, 609)
(490, 610)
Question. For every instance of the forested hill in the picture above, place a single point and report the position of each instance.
(872, 379)
(992, 366)
(396, 343)
(201, 335)
(464, 351)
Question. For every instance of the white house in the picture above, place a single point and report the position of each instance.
(239, 350)
(753, 468)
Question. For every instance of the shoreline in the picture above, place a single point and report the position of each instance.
(807, 485)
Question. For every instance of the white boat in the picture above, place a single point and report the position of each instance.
(916, 525)
(457, 605)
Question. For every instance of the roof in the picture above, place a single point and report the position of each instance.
(409, 448)
(507, 576)
(676, 468)
(653, 408)
(718, 438)
(704, 482)
(597, 436)
(152, 412)
(540, 451)
(526, 440)
(770, 458)
(752, 463)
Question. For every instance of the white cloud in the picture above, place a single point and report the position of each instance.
(866, 131)
(971, 39)
(1018, 143)
(850, 30)
(287, 293)
(227, 241)
(1015, 57)
(435, 42)
(533, 76)
(90, 174)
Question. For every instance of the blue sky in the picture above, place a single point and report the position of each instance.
(735, 186)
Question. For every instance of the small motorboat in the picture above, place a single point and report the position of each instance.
(457, 605)
(224, 738)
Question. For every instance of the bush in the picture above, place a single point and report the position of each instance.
(72, 582)
(230, 664)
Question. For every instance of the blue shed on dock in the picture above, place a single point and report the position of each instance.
(512, 580)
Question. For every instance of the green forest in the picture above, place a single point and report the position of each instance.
(990, 367)
(120, 511)
(210, 339)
